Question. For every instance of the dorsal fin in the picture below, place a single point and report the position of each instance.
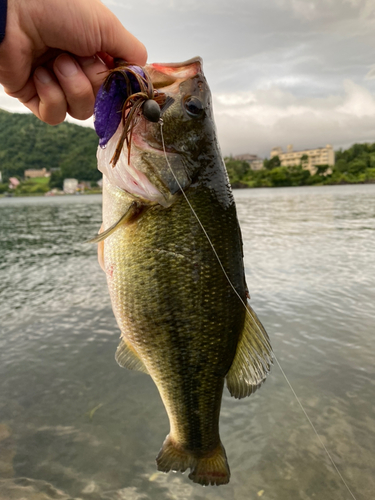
(253, 358)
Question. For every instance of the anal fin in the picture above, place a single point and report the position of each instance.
(127, 358)
(253, 358)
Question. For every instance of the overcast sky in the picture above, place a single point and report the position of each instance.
(281, 72)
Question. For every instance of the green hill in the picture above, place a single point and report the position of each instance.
(26, 142)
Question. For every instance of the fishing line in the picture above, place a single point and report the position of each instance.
(314, 429)
(196, 216)
(249, 312)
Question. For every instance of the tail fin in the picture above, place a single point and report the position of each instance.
(212, 469)
(205, 470)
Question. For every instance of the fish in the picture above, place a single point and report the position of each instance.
(171, 247)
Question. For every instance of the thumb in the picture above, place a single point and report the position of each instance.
(35, 33)
(119, 42)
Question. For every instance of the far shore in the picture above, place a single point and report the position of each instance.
(235, 187)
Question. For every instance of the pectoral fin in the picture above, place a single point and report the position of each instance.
(101, 251)
(253, 358)
(130, 215)
(127, 358)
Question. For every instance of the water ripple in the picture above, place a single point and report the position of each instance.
(80, 427)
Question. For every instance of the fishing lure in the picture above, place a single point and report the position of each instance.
(126, 93)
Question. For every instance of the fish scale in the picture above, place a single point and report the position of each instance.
(176, 311)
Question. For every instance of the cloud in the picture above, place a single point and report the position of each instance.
(256, 121)
(333, 10)
(117, 3)
(358, 102)
(371, 74)
(366, 7)
(281, 71)
(14, 106)
(11, 104)
(304, 9)
(83, 123)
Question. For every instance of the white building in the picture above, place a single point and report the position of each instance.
(317, 156)
(70, 186)
(254, 161)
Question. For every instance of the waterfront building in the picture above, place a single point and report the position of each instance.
(13, 182)
(70, 186)
(312, 157)
(254, 161)
(33, 173)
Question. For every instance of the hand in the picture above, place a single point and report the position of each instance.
(55, 54)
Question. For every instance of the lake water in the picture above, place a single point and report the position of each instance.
(74, 425)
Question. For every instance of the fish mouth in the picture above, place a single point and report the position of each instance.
(125, 176)
(170, 75)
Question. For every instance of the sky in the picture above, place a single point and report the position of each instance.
(281, 72)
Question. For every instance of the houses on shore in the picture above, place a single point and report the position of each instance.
(38, 180)
(254, 161)
(308, 158)
(35, 173)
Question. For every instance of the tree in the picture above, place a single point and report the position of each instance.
(236, 169)
(357, 166)
(26, 142)
(272, 163)
(56, 180)
(321, 169)
(280, 176)
(341, 165)
(304, 160)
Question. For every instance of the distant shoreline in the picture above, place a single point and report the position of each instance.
(235, 187)
(43, 195)
(245, 186)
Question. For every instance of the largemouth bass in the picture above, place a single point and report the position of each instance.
(179, 294)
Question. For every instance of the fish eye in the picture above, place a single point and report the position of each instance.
(193, 106)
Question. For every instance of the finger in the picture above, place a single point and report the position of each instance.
(27, 92)
(107, 59)
(27, 96)
(119, 42)
(49, 104)
(95, 70)
(15, 65)
(76, 86)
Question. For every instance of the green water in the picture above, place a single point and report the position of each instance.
(73, 425)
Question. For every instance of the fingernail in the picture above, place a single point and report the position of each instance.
(43, 75)
(66, 66)
(86, 61)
